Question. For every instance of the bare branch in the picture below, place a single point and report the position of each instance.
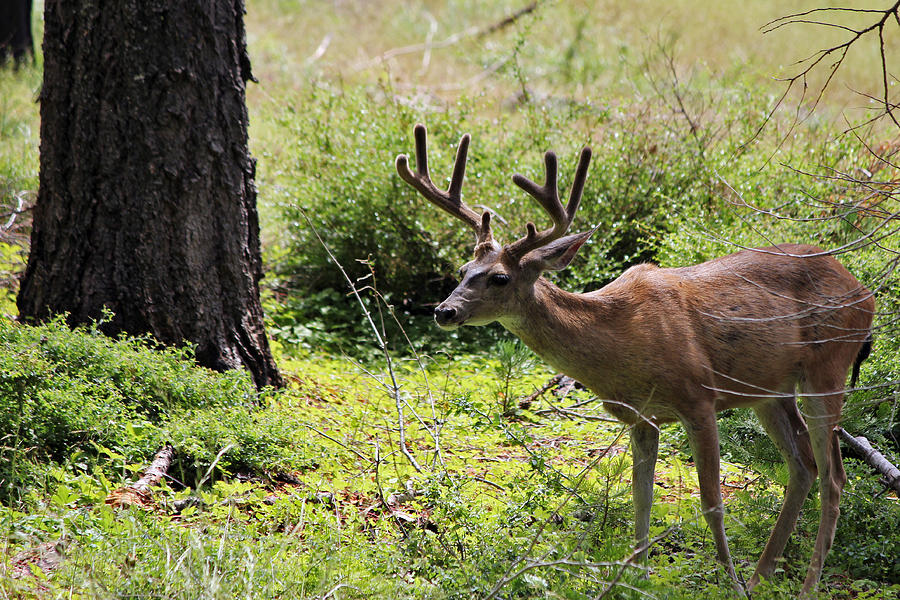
(395, 388)
(837, 52)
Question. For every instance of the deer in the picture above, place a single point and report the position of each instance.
(661, 345)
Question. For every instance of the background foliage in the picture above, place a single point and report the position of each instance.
(308, 493)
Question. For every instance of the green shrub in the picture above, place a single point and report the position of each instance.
(653, 171)
(70, 393)
(19, 129)
(867, 540)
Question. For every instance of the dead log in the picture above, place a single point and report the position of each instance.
(138, 493)
(873, 458)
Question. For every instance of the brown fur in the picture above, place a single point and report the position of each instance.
(748, 325)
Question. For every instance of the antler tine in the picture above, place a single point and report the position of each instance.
(581, 171)
(421, 136)
(548, 197)
(459, 171)
(451, 200)
(548, 194)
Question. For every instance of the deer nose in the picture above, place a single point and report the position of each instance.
(443, 315)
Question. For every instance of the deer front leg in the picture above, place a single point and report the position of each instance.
(703, 433)
(644, 449)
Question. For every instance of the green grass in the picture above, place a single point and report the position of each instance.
(19, 132)
(290, 489)
(568, 47)
(494, 494)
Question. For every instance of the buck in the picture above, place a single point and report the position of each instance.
(678, 344)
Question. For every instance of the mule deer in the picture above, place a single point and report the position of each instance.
(678, 344)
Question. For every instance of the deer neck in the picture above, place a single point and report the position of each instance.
(569, 331)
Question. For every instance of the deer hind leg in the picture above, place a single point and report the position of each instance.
(703, 434)
(782, 421)
(644, 449)
(822, 410)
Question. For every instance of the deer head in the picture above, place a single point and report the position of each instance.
(494, 283)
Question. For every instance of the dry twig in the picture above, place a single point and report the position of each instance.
(837, 53)
(382, 345)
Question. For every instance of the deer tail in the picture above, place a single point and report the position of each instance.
(864, 352)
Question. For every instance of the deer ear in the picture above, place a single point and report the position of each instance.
(556, 255)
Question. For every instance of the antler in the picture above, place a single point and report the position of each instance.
(548, 197)
(451, 200)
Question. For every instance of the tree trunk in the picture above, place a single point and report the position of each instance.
(15, 31)
(147, 205)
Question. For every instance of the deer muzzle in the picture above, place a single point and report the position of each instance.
(447, 317)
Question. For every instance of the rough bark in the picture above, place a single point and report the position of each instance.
(16, 41)
(147, 204)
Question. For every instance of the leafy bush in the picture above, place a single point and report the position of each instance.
(653, 170)
(18, 174)
(867, 540)
(65, 393)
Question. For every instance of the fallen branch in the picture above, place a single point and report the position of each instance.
(528, 400)
(873, 458)
(561, 385)
(138, 494)
(569, 413)
(507, 21)
(405, 496)
(474, 31)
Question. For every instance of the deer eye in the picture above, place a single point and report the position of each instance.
(498, 279)
(462, 273)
